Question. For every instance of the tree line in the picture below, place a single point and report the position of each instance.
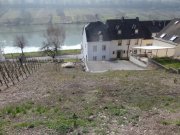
(54, 39)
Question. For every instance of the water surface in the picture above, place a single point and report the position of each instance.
(34, 35)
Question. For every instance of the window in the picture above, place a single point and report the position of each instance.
(148, 44)
(135, 52)
(94, 58)
(113, 52)
(117, 27)
(136, 42)
(128, 42)
(104, 47)
(100, 37)
(99, 32)
(119, 32)
(119, 42)
(136, 31)
(124, 51)
(103, 57)
(163, 35)
(173, 38)
(94, 48)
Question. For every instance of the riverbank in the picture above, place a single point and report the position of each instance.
(41, 53)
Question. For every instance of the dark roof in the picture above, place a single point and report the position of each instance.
(155, 26)
(123, 29)
(127, 28)
(172, 29)
(94, 29)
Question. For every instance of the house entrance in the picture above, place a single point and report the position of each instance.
(119, 54)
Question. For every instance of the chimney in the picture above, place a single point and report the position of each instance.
(122, 18)
(137, 18)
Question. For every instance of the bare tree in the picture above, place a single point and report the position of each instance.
(21, 42)
(54, 39)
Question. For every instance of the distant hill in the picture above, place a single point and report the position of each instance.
(91, 3)
(13, 16)
(18, 12)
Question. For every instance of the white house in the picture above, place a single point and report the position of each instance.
(168, 37)
(115, 38)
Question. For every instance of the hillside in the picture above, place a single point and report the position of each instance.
(15, 16)
(69, 101)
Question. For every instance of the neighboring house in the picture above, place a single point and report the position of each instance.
(155, 26)
(168, 37)
(1, 56)
(114, 39)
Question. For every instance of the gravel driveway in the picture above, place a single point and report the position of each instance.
(102, 66)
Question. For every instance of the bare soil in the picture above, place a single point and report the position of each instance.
(115, 102)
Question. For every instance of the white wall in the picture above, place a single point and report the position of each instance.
(137, 62)
(177, 51)
(84, 44)
(162, 53)
(111, 46)
(99, 53)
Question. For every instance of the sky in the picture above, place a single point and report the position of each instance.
(106, 3)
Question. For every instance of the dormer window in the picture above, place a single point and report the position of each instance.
(100, 37)
(119, 42)
(163, 35)
(176, 22)
(136, 31)
(117, 27)
(119, 32)
(99, 32)
(173, 38)
(133, 26)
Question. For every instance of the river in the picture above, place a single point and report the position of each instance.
(34, 36)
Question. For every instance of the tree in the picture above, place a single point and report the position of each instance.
(54, 39)
(21, 42)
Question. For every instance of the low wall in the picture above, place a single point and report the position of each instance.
(137, 62)
(171, 70)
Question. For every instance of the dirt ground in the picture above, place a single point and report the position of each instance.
(69, 101)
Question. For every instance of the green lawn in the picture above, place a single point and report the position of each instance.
(168, 62)
(40, 53)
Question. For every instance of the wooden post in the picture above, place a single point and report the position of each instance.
(156, 52)
(166, 52)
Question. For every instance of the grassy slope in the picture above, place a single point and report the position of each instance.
(168, 62)
(102, 102)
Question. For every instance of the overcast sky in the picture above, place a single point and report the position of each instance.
(127, 3)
